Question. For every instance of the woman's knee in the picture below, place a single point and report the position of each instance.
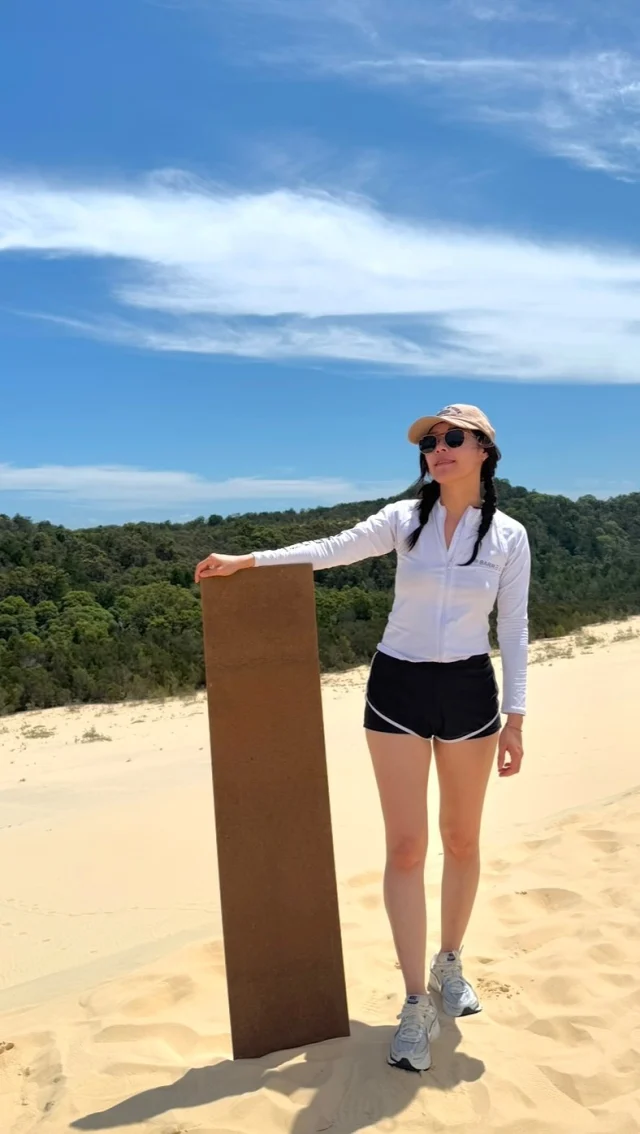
(461, 845)
(407, 852)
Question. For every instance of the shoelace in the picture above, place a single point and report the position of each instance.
(451, 974)
(413, 1021)
(457, 984)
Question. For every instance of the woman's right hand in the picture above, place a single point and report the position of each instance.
(222, 565)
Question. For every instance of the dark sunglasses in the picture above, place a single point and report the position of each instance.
(453, 439)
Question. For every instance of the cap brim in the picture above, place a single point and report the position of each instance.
(421, 427)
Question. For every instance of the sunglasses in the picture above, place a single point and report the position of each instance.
(453, 439)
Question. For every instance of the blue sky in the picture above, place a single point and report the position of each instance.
(244, 244)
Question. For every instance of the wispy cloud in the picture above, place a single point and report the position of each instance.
(585, 108)
(116, 485)
(295, 339)
(311, 276)
(515, 11)
(359, 17)
(564, 74)
(151, 491)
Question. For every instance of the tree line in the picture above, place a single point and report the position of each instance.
(109, 613)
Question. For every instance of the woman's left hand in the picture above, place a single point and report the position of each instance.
(510, 751)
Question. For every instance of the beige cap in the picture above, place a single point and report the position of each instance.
(467, 417)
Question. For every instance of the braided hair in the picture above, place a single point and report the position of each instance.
(428, 493)
(489, 499)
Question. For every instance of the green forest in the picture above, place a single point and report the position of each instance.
(110, 613)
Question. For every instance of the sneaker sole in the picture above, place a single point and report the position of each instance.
(404, 1065)
(465, 1012)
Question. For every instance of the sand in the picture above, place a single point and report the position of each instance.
(113, 1011)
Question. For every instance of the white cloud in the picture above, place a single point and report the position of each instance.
(313, 339)
(583, 107)
(311, 276)
(356, 17)
(562, 74)
(514, 11)
(115, 485)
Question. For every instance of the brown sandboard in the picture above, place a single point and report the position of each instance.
(283, 947)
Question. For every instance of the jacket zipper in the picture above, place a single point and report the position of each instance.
(449, 553)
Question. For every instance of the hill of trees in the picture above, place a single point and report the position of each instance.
(110, 613)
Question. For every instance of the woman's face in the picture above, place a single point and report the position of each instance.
(447, 464)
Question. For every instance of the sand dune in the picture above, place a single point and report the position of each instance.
(113, 1003)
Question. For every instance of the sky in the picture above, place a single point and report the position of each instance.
(245, 243)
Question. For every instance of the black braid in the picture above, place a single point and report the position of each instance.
(489, 499)
(428, 492)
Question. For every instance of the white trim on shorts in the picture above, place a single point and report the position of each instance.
(402, 728)
(407, 731)
(469, 736)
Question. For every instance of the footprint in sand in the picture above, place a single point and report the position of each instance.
(163, 993)
(570, 1032)
(592, 1090)
(523, 905)
(618, 980)
(606, 841)
(360, 880)
(370, 901)
(554, 899)
(140, 996)
(541, 844)
(562, 989)
(177, 1037)
(39, 1081)
(608, 954)
(626, 899)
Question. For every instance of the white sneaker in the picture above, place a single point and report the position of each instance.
(458, 997)
(419, 1024)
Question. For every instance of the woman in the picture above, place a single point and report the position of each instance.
(432, 689)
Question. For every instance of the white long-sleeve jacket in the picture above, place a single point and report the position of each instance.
(441, 608)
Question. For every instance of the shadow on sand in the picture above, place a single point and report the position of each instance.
(354, 1087)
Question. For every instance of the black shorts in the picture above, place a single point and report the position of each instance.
(449, 701)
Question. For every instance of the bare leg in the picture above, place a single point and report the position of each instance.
(463, 774)
(401, 766)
